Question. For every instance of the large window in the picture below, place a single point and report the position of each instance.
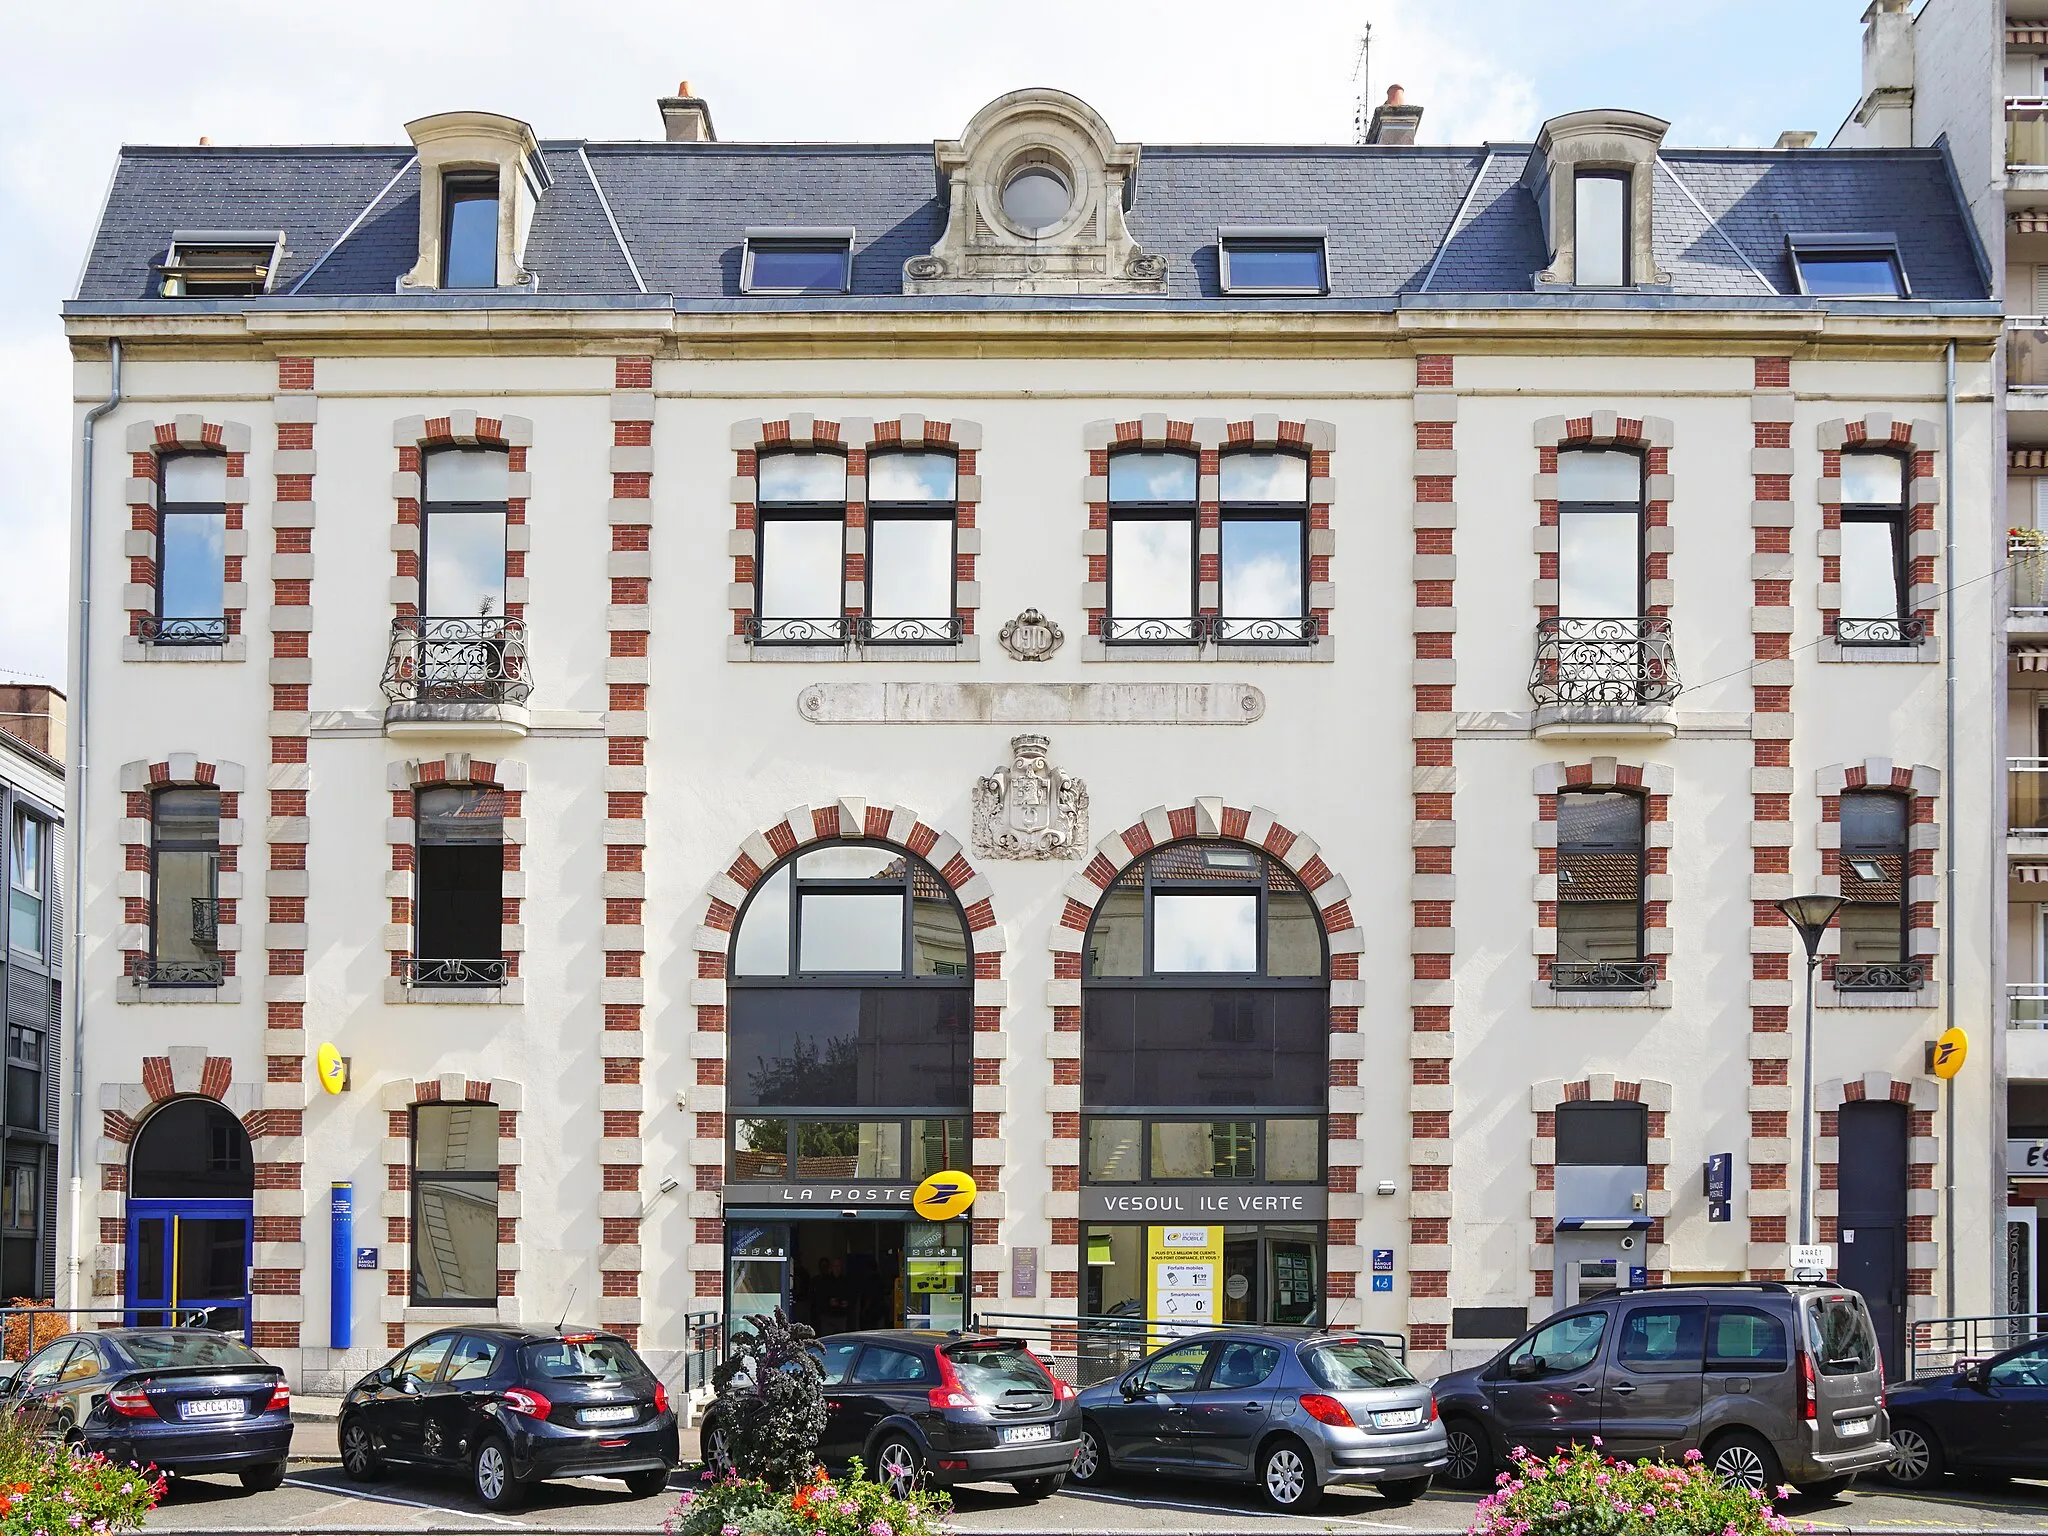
(1600, 892)
(462, 646)
(850, 1018)
(1602, 648)
(1874, 871)
(1264, 549)
(191, 560)
(455, 1205)
(458, 887)
(1600, 223)
(1152, 517)
(1874, 560)
(184, 908)
(27, 877)
(800, 550)
(911, 548)
(469, 231)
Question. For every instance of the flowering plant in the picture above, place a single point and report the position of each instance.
(1583, 1493)
(2028, 538)
(822, 1506)
(48, 1490)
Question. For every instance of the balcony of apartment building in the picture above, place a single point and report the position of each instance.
(464, 677)
(1604, 677)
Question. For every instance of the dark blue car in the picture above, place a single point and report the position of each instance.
(184, 1400)
(1987, 1418)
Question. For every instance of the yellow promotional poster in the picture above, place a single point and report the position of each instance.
(1183, 1279)
(333, 1070)
(1949, 1053)
(944, 1196)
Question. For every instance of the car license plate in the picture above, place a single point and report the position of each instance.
(1852, 1427)
(213, 1408)
(1397, 1418)
(1025, 1434)
(607, 1415)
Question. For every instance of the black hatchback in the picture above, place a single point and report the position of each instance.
(508, 1407)
(929, 1409)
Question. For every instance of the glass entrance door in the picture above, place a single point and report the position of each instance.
(188, 1264)
(756, 1270)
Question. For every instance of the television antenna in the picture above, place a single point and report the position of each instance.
(1361, 76)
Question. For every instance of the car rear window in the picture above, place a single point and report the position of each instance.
(582, 1359)
(172, 1351)
(1347, 1364)
(1838, 1330)
(990, 1370)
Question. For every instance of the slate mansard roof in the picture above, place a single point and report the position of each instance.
(1407, 224)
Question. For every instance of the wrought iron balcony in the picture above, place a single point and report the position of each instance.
(156, 630)
(1607, 662)
(869, 630)
(422, 971)
(1603, 975)
(831, 629)
(457, 661)
(205, 922)
(1212, 629)
(153, 971)
(1895, 976)
(1908, 631)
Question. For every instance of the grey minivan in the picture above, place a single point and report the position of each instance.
(1771, 1383)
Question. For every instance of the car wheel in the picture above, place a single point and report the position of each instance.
(1287, 1477)
(1406, 1491)
(1032, 1489)
(359, 1459)
(1471, 1455)
(263, 1479)
(717, 1454)
(1916, 1456)
(898, 1467)
(1091, 1461)
(645, 1485)
(1825, 1487)
(490, 1476)
(1745, 1460)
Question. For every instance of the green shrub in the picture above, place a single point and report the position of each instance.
(771, 1401)
(822, 1506)
(47, 1488)
(1583, 1493)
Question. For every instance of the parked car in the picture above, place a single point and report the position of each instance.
(1986, 1418)
(185, 1400)
(927, 1409)
(508, 1407)
(1292, 1410)
(1771, 1383)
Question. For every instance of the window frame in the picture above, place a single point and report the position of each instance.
(821, 629)
(1638, 509)
(1905, 974)
(429, 508)
(793, 1117)
(417, 1178)
(1642, 972)
(1306, 626)
(1304, 237)
(821, 237)
(1906, 626)
(465, 185)
(29, 1059)
(1869, 245)
(158, 846)
(265, 246)
(911, 631)
(454, 970)
(185, 629)
(1626, 178)
(19, 825)
(1262, 1141)
(1189, 513)
(1207, 979)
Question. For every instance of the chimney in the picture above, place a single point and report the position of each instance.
(1884, 117)
(1796, 138)
(686, 119)
(1394, 122)
(33, 714)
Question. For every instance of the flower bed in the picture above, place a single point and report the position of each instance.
(848, 1506)
(1583, 1493)
(50, 1491)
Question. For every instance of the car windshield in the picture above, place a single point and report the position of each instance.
(992, 1370)
(169, 1351)
(582, 1358)
(1352, 1363)
(1838, 1330)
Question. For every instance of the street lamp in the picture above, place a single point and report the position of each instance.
(1811, 916)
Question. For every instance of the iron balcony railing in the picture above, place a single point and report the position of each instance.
(2026, 1005)
(1616, 661)
(2026, 796)
(430, 971)
(2026, 563)
(457, 661)
(1892, 976)
(1213, 629)
(869, 630)
(829, 629)
(201, 971)
(1603, 975)
(156, 630)
(1904, 631)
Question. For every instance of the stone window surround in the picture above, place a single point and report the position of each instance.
(1921, 441)
(401, 832)
(1545, 1098)
(273, 1114)
(1922, 1097)
(403, 1321)
(1602, 139)
(898, 827)
(1921, 785)
(851, 436)
(416, 436)
(1654, 782)
(1209, 819)
(148, 442)
(1209, 437)
(484, 143)
(176, 770)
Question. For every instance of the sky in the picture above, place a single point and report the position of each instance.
(1725, 72)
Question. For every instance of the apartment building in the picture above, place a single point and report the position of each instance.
(1256, 702)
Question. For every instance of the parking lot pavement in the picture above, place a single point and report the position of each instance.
(318, 1501)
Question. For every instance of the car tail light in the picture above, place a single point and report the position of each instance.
(280, 1397)
(1326, 1410)
(1061, 1392)
(130, 1402)
(526, 1401)
(660, 1398)
(1805, 1400)
(1432, 1407)
(949, 1393)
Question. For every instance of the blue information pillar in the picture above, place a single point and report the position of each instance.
(341, 1210)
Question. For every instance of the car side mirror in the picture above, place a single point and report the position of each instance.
(1977, 1376)
(1130, 1389)
(10, 1377)
(409, 1385)
(1528, 1368)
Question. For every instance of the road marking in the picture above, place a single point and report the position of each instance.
(385, 1498)
(1228, 1512)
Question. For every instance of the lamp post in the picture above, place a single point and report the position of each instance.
(1811, 916)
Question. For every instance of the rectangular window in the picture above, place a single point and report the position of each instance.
(910, 565)
(458, 887)
(191, 550)
(1182, 1047)
(26, 876)
(1857, 266)
(800, 550)
(1873, 865)
(1264, 549)
(469, 232)
(221, 264)
(1152, 549)
(1594, 1134)
(1600, 228)
(455, 1205)
(1172, 1150)
(797, 261)
(1204, 1149)
(1258, 260)
(24, 1078)
(874, 1047)
(185, 884)
(767, 1149)
(1874, 560)
(1600, 893)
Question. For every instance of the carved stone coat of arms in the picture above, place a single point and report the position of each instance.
(1029, 809)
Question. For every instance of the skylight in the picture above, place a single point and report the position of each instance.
(797, 261)
(221, 263)
(1275, 259)
(1852, 266)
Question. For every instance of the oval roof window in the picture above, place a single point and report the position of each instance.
(1036, 198)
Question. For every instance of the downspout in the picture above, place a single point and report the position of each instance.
(81, 704)
(1951, 832)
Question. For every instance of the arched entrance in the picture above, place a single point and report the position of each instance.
(191, 1203)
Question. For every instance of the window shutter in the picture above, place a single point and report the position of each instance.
(54, 885)
(2041, 289)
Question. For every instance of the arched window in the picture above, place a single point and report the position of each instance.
(1263, 559)
(1874, 873)
(1600, 893)
(850, 1021)
(1874, 559)
(191, 1149)
(800, 549)
(1152, 549)
(912, 512)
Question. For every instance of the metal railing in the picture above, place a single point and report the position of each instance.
(2026, 1005)
(1082, 1351)
(2026, 560)
(705, 1332)
(24, 1330)
(425, 971)
(869, 630)
(1617, 661)
(833, 629)
(1892, 976)
(1896, 631)
(1937, 1345)
(151, 971)
(457, 661)
(1213, 629)
(2026, 796)
(162, 631)
(1603, 975)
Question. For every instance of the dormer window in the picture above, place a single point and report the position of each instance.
(1849, 266)
(1036, 198)
(221, 264)
(1600, 214)
(1591, 176)
(797, 261)
(481, 178)
(1284, 260)
(469, 237)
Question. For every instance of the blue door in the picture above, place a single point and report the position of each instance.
(188, 1264)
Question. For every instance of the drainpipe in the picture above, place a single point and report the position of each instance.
(81, 705)
(1948, 842)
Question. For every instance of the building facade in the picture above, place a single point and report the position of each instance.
(1257, 702)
